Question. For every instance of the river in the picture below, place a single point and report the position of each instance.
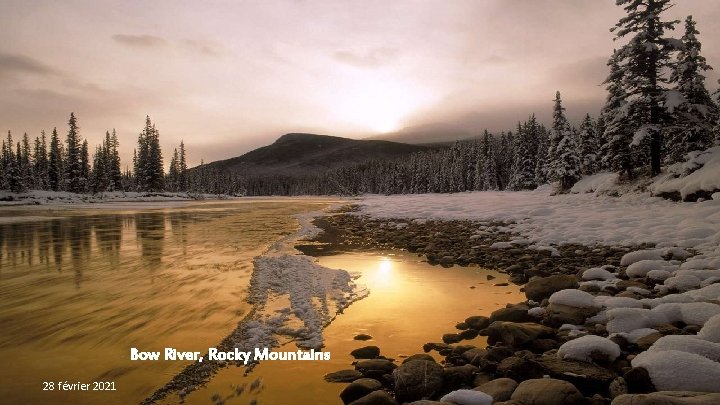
(80, 287)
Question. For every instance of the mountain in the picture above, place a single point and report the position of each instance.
(427, 134)
(299, 153)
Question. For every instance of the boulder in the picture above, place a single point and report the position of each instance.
(538, 289)
(343, 376)
(366, 352)
(558, 314)
(547, 391)
(588, 377)
(477, 322)
(358, 389)
(450, 338)
(519, 367)
(474, 356)
(459, 376)
(669, 398)
(516, 334)
(500, 389)
(515, 313)
(375, 368)
(417, 379)
(376, 398)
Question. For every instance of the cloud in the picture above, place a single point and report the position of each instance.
(139, 41)
(207, 48)
(16, 63)
(370, 59)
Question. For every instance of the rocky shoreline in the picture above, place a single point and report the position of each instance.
(554, 348)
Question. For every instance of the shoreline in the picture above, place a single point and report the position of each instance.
(526, 340)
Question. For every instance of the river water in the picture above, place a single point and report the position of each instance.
(80, 287)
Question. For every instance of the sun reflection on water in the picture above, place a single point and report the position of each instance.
(384, 272)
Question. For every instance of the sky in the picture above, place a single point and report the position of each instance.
(229, 76)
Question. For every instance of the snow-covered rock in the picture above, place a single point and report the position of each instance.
(589, 347)
(573, 298)
(467, 397)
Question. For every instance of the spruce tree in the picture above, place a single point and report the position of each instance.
(182, 169)
(84, 166)
(41, 164)
(588, 146)
(565, 164)
(543, 144)
(692, 127)
(25, 165)
(55, 163)
(644, 60)
(523, 173)
(113, 165)
(74, 158)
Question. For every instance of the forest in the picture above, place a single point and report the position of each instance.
(657, 111)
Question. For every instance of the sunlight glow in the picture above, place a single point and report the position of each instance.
(379, 105)
(384, 274)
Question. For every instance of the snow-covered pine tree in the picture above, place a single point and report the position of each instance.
(616, 151)
(75, 182)
(644, 61)
(173, 172)
(25, 165)
(489, 169)
(182, 168)
(541, 156)
(695, 111)
(55, 163)
(98, 177)
(155, 170)
(523, 174)
(588, 146)
(565, 164)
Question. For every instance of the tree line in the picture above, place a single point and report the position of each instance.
(67, 166)
(657, 111)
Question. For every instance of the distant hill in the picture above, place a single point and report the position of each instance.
(298, 153)
(427, 134)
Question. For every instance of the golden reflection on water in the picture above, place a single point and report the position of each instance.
(78, 289)
(410, 303)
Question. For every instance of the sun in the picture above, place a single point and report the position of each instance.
(379, 106)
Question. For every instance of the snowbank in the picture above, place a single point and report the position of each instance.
(587, 348)
(700, 173)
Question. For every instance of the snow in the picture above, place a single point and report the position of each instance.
(674, 370)
(683, 282)
(596, 183)
(583, 348)
(573, 298)
(688, 344)
(642, 267)
(638, 255)
(597, 273)
(537, 311)
(677, 179)
(467, 397)
(636, 335)
(711, 330)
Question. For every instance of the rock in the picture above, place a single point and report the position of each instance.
(618, 387)
(478, 322)
(426, 402)
(343, 376)
(458, 376)
(588, 377)
(515, 313)
(468, 334)
(450, 338)
(467, 397)
(638, 381)
(359, 388)
(497, 353)
(376, 398)
(516, 334)
(417, 379)
(421, 356)
(474, 356)
(556, 315)
(547, 391)
(501, 284)
(490, 277)
(362, 336)
(500, 389)
(375, 368)
(447, 261)
(519, 368)
(645, 342)
(367, 352)
(669, 398)
(539, 288)
(462, 326)
(441, 348)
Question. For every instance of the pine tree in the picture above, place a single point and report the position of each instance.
(173, 173)
(40, 158)
(149, 172)
(523, 174)
(541, 166)
(489, 169)
(618, 133)
(84, 166)
(644, 62)
(588, 146)
(692, 127)
(565, 163)
(55, 163)
(74, 159)
(25, 165)
(113, 165)
(182, 169)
